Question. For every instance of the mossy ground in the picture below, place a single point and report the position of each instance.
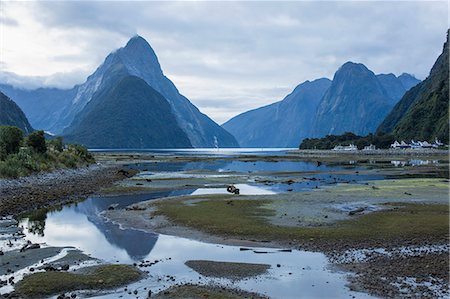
(230, 270)
(44, 284)
(200, 292)
(248, 219)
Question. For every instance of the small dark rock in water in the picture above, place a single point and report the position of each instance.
(31, 269)
(113, 206)
(135, 292)
(135, 208)
(73, 295)
(29, 246)
(62, 296)
(407, 193)
(278, 265)
(232, 189)
(124, 173)
(1, 252)
(139, 184)
(359, 210)
(244, 249)
(65, 267)
(149, 294)
(50, 268)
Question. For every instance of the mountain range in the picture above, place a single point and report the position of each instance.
(356, 100)
(423, 112)
(128, 102)
(281, 124)
(12, 115)
(137, 59)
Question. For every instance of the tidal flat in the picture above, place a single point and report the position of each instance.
(312, 224)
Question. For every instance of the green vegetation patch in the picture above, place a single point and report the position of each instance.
(43, 284)
(22, 156)
(197, 291)
(230, 270)
(247, 218)
(424, 187)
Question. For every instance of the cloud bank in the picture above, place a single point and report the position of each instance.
(226, 57)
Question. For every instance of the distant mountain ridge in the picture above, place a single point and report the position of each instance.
(281, 124)
(356, 101)
(43, 106)
(12, 115)
(423, 112)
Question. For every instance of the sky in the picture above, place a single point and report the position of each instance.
(225, 56)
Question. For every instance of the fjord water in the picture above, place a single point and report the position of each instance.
(301, 274)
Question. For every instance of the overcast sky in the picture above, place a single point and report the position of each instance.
(226, 57)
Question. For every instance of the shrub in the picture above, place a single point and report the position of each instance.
(36, 141)
(56, 144)
(81, 152)
(10, 140)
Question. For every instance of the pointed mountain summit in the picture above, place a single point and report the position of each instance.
(355, 102)
(281, 124)
(12, 115)
(138, 59)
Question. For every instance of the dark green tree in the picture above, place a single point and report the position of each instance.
(10, 140)
(36, 141)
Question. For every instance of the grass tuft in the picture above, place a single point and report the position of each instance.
(42, 284)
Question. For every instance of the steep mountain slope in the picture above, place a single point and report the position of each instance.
(131, 114)
(138, 59)
(281, 124)
(355, 102)
(12, 115)
(42, 106)
(423, 112)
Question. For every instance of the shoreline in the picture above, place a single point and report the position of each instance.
(61, 186)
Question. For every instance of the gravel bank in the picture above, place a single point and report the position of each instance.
(60, 186)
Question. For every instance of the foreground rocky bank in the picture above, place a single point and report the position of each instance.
(57, 187)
